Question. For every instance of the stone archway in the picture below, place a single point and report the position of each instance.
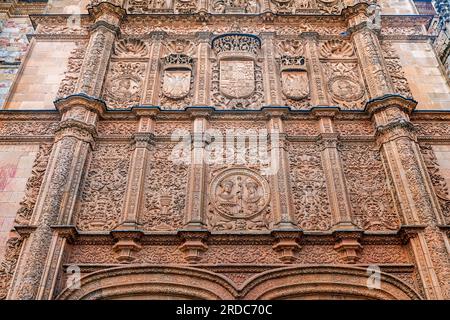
(324, 282)
(297, 282)
(152, 282)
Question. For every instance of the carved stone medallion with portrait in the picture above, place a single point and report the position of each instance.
(345, 89)
(239, 193)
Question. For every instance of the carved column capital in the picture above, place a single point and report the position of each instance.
(407, 232)
(107, 14)
(377, 105)
(67, 104)
(390, 114)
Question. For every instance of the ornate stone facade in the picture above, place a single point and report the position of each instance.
(228, 150)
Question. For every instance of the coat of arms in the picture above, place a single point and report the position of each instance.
(237, 78)
(294, 78)
(177, 76)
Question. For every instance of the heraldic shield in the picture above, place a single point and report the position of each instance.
(176, 83)
(295, 84)
(237, 78)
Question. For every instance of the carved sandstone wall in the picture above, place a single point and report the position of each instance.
(132, 187)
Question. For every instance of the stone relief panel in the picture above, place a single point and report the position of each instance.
(235, 6)
(239, 199)
(177, 78)
(372, 204)
(438, 180)
(312, 208)
(74, 63)
(102, 193)
(344, 82)
(164, 191)
(395, 70)
(344, 85)
(119, 128)
(124, 84)
(130, 48)
(150, 6)
(8, 265)
(293, 76)
(33, 185)
(237, 81)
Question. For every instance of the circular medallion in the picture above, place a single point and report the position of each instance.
(239, 193)
(345, 89)
(122, 87)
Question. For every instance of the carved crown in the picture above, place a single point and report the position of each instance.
(177, 61)
(292, 63)
(236, 45)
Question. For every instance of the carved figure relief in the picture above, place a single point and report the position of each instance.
(438, 181)
(236, 76)
(123, 86)
(372, 204)
(291, 6)
(395, 70)
(147, 6)
(165, 191)
(33, 186)
(344, 84)
(235, 6)
(102, 195)
(71, 76)
(312, 209)
(239, 199)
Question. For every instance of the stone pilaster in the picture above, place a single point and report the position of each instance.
(271, 85)
(196, 192)
(319, 95)
(412, 188)
(203, 77)
(195, 234)
(346, 234)
(286, 233)
(369, 52)
(128, 232)
(107, 19)
(74, 139)
(278, 172)
(152, 81)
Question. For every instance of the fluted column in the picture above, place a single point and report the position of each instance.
(412, 188)
(107, 19)
(369, 52)
(40, 258)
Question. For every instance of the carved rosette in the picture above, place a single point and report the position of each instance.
(236, 75)
(239, 199)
